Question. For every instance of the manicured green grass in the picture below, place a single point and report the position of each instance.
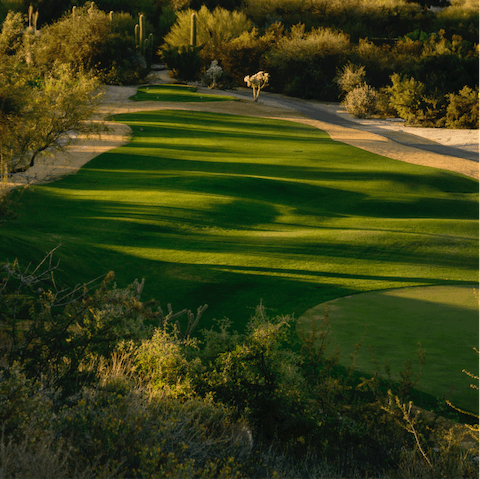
(176, 93)
(229, 210)
(444, 319)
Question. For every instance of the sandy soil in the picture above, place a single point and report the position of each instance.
(116, 100)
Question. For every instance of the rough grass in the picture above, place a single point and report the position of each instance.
(229, 210)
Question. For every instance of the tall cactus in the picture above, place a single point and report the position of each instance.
(32, 19)
(29, 34)
(193, 30)
(143, 44)
(141, 38)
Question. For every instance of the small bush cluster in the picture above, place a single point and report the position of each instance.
(95, 382)
(430, 103)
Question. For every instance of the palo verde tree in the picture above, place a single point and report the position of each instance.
(38, 110)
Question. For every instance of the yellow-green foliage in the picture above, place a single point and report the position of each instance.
(11, 37)
(162, 362)
(262, 403)
(304, 46)
(460, 9)
(304, 63)
(462, 109)
(360, 18)
(82, 36)
(243, 55)
(213, 28)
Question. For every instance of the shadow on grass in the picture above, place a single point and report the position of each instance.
(239, 209)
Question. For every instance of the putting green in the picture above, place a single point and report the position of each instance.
(443, 319)
(176, 93)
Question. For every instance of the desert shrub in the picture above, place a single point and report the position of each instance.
(11, 36)
(88, 39)
(379, 61)
(243, 55)
(60, 335)
(163, 361)
(350, 77)
(40, 108)
(305, 64)
(260, 377)
(358, 18)
(185, 62)
(23, 404)
(459, 18)
(214, 29)
(288, 12)
(462, 109)
(442, 74)
(408, 98)
(166, 20)
(361, 102)
(137, 435)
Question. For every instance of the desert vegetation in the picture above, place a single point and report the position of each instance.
(97, 382)
(419, 65)
(243, 214)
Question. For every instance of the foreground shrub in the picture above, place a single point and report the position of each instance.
(266, 402)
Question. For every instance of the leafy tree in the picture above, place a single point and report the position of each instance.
(39, 109)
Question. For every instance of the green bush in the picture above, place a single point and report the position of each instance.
(11, 37)
(185, 62)
(408, 98)
(462, 109)
(357, 18)
(305, 64)
(243, 55)
(90, 40)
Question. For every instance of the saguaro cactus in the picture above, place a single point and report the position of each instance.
(193, 30)
(32, 19)
(144, 45)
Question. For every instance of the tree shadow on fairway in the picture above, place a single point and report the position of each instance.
(230, 210)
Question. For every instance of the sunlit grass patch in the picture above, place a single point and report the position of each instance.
(176, 93)
(443, 319)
